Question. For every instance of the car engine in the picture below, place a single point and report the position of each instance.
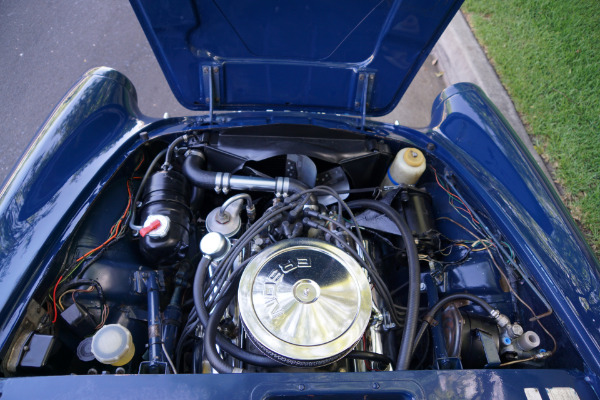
(253, 250)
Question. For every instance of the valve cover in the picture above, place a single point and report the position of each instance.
(304, 302)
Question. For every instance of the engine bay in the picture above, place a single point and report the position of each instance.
(283, 248)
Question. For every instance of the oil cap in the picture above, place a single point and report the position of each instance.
(113, 345)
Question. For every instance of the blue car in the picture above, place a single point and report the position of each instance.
(282, 244)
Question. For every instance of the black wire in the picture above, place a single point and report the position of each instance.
(96, 257)
(265, 221)
(406, 345)
(369, 356)
(89, 282)
(166, 165)
(141, 189)
(381, 288)
(334, 194)
(427, 350)
(441, 303)
(379, 284)
(382, 238)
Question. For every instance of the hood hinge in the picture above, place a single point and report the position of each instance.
(364, 90)
(211, 87)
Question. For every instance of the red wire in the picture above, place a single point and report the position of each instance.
(140, 164)
(365, 348)
(454, 196)
(118, 225)
(116, 230)
(440, 185)
(54, 299)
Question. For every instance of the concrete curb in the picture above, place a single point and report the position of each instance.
(462, 59)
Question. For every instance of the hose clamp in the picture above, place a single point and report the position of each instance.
(222, 182)
(282, 186)
(194, 152)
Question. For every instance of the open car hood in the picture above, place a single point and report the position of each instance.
(351, 57)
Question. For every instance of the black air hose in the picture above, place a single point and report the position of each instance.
(414, 291)
(193, 169)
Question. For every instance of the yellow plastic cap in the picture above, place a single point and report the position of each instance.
(113, 345)
(414, 157)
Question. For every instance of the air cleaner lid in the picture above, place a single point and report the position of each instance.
(305, 299)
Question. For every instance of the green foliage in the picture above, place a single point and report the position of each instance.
(547, 54)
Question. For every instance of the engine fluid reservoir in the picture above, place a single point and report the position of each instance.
(165, 215)
(407, 167)
(113, 345)
(304, 302)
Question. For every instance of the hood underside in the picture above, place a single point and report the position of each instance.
(351, 57)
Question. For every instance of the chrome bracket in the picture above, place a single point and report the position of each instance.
(364, 90)
(211, 87)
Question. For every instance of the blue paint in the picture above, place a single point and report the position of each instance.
(391, 179)
(463, 384)
(76, 151)
(545, 238)
(439, 345)
(305, 56)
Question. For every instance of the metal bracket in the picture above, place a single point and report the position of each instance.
(364, 90)
(211, 87)
(156, 367)
(140, 280)
(387, 321)
(449, 363)
(489, 348)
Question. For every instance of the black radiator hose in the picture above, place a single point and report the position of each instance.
(193, 169)
(222, 341)
(414, 280)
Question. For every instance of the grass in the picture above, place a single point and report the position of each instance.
(547, 54)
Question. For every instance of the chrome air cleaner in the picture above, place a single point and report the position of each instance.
(304, 302)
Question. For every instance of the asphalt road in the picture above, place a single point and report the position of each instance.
(47, 45)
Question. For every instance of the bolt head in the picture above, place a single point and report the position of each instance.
(517, 330)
